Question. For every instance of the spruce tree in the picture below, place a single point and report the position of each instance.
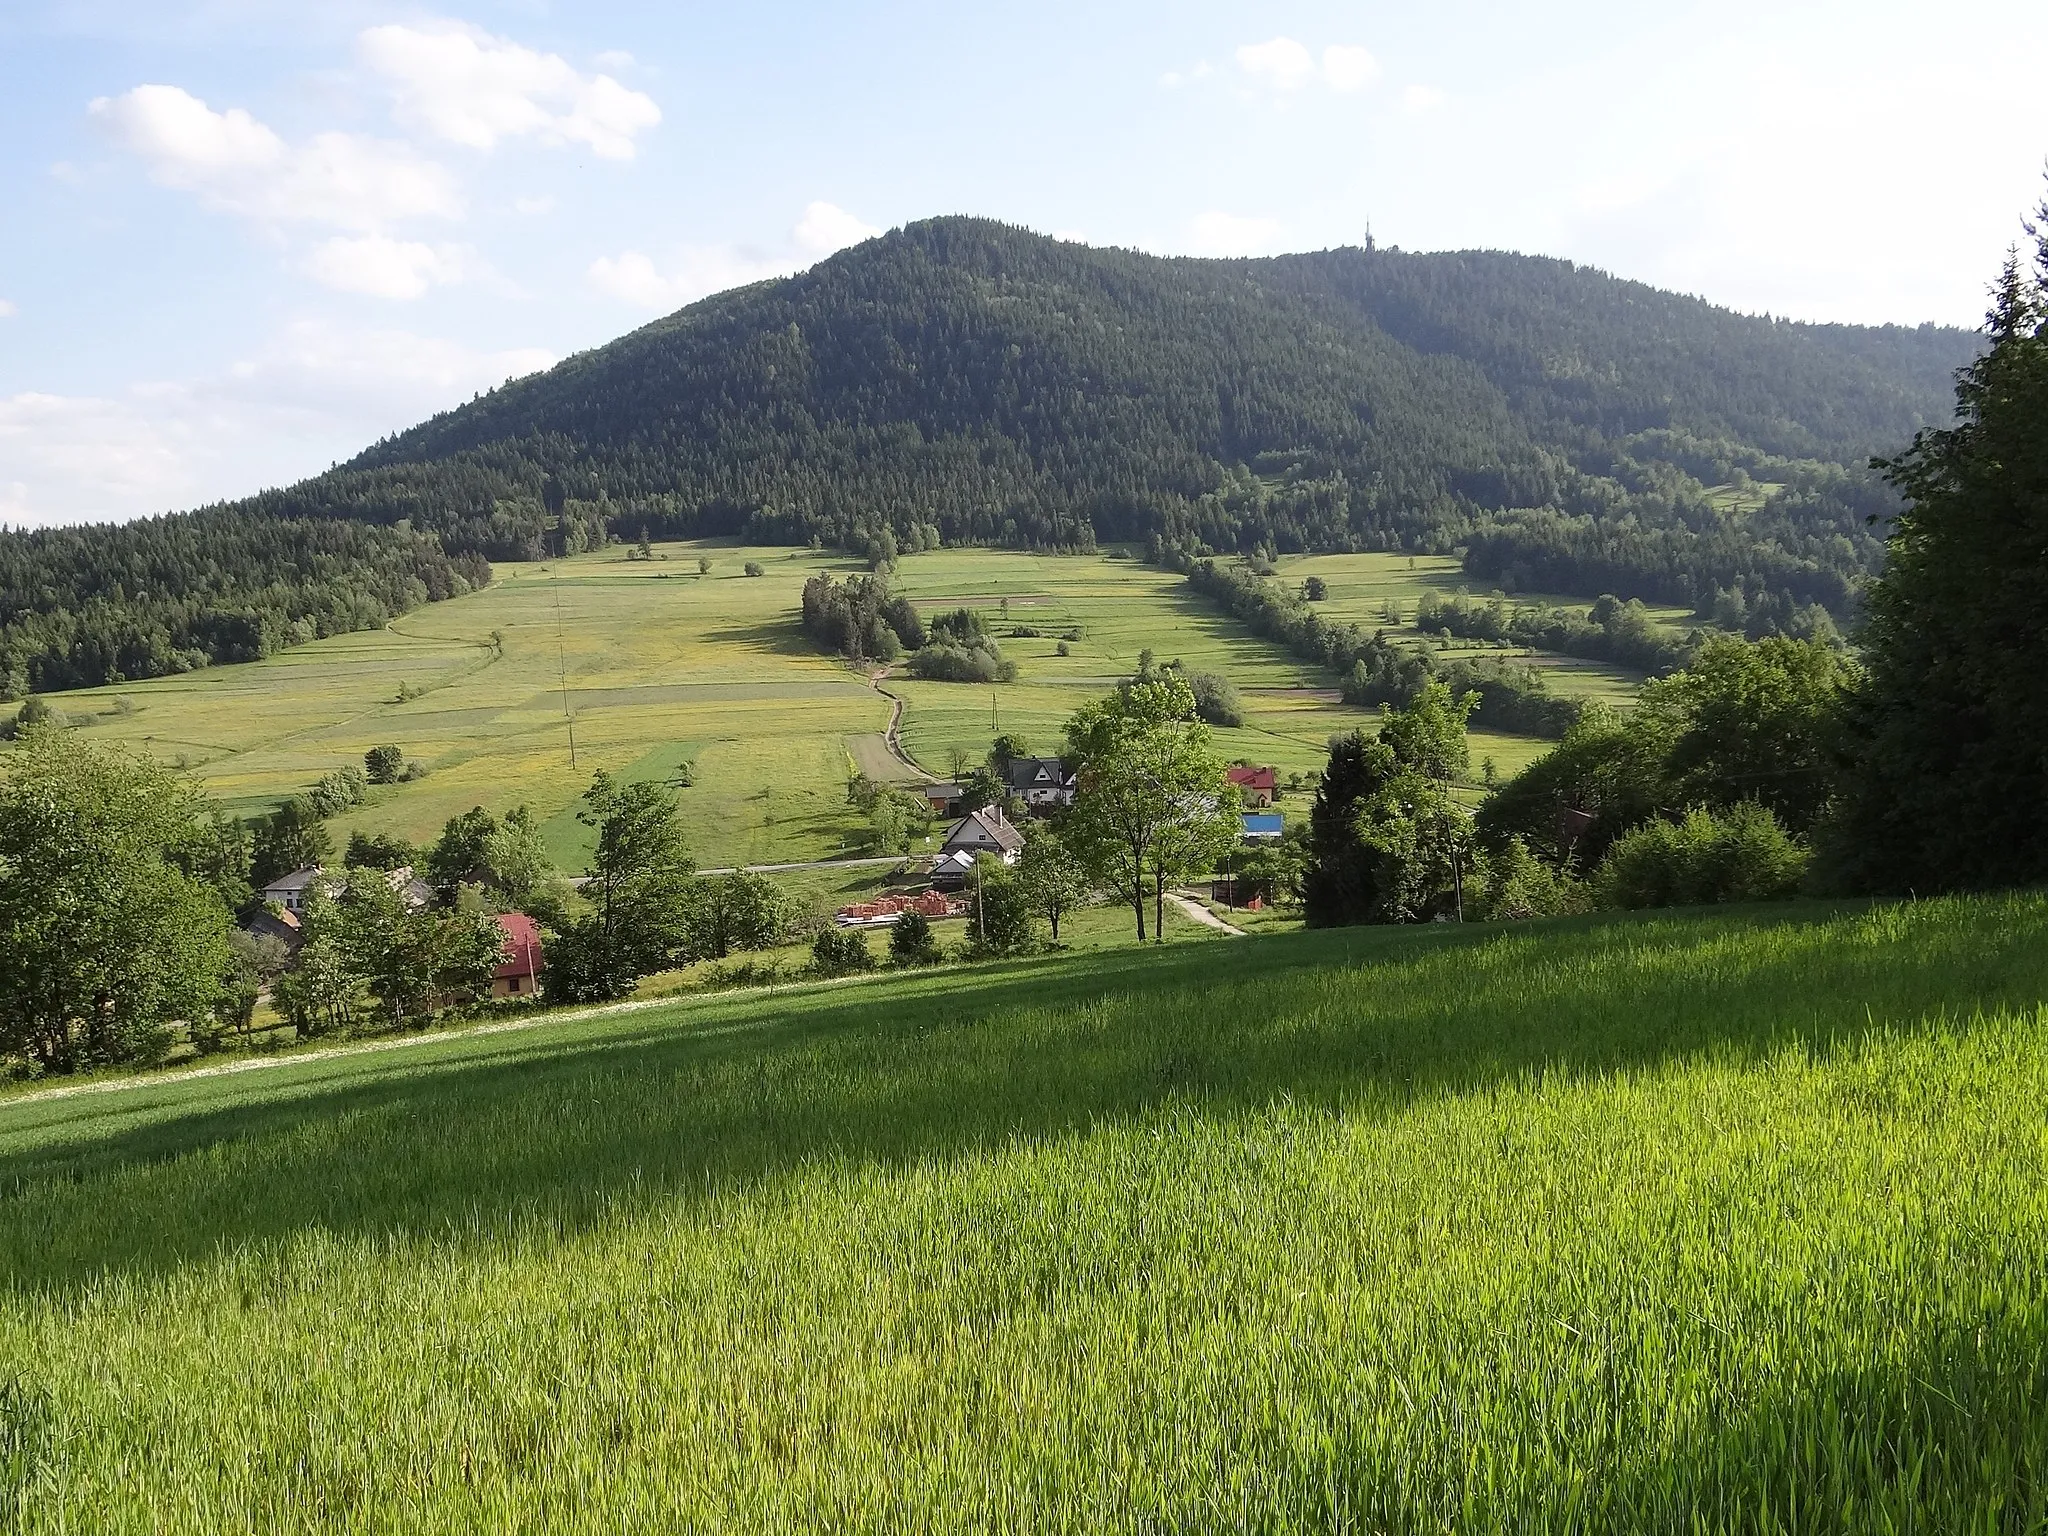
(1945, 780)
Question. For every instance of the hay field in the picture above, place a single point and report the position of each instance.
(665, 666)
(1726, 1221)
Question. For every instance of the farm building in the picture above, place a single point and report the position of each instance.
(1258, 786)
(1263, 826)
(1042, 783)
(518, 974)
(942, 798)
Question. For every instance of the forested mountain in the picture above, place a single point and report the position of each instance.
(1557, 424)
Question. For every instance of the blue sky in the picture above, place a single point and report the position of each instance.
(244, 238)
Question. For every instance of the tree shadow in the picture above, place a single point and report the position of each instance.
(555, 1129)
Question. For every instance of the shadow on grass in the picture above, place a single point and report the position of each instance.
(555, 1129)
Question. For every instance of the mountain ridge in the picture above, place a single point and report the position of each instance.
(964, 380)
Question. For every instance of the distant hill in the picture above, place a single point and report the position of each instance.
(963, 380)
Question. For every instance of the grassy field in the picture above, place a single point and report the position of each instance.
(1712, 1222)
(665, 667)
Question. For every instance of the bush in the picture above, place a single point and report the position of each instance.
(384, 764)
(755, 568)
(337, 791)
(1513, 885)
(912, 942)
(940, 662)
(841, 952)
(1217, 701)
(1743, 854)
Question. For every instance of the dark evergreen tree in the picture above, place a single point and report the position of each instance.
(1945, 780)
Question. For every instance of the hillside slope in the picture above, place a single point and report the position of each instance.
(1715, 1222)
(965, 380)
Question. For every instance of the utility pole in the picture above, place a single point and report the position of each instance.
(562, 664)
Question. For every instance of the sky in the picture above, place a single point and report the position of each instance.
(240, 240)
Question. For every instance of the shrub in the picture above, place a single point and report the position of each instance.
(1217, 701)
(1061, 649)
(912, 942)
(1513, 884)
(338, 791)
(841, 952)
(941, 662)
(1743, 854)
(384, 764)
(755, 568)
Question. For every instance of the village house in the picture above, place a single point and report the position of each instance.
(1258, 786)
(1042, 783)
(518, 974)
(984, 832)
(289, 893)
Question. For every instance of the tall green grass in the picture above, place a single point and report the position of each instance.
(1702, 1223)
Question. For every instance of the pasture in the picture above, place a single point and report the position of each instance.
(1727, 1221)
(656, 667)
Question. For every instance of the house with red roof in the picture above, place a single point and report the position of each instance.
(1257, 785)
(518, 974)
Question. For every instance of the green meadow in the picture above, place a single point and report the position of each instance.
(1713, 1221)
(652, 665)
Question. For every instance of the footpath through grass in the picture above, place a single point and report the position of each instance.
(1702, 1222)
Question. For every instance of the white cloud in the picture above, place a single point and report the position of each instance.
(1216, 233)
(316, 394)
(633, 277)
(460, 83)
(1348, 67)
(238, 165)
(7, 309)
(1173, 79)
(1421, 98)
(386, 268)
(826, 228)
(1282, 63)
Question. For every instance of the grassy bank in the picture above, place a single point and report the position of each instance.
(1717, 1222)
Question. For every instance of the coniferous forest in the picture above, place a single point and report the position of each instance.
(964, 381)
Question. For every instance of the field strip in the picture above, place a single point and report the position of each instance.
(429, 1037)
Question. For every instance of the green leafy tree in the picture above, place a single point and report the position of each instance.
(383, 765)
(739, 911)
(1611, 772)
(519, 861)
(897, 819)
(379, 850)
(841, 952)
(1005, 750)
(912, 942)
(1755, 722)
(104, 940)
(1387, 843)
(1003, 921)
(640, 888)
(463, 852)
(1945, 780)
(1154, 800)
(1053, 875)
(289, 838)
(217, 853)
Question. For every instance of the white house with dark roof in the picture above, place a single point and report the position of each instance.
(290, 891)
(1040, 782)
(985, 831)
